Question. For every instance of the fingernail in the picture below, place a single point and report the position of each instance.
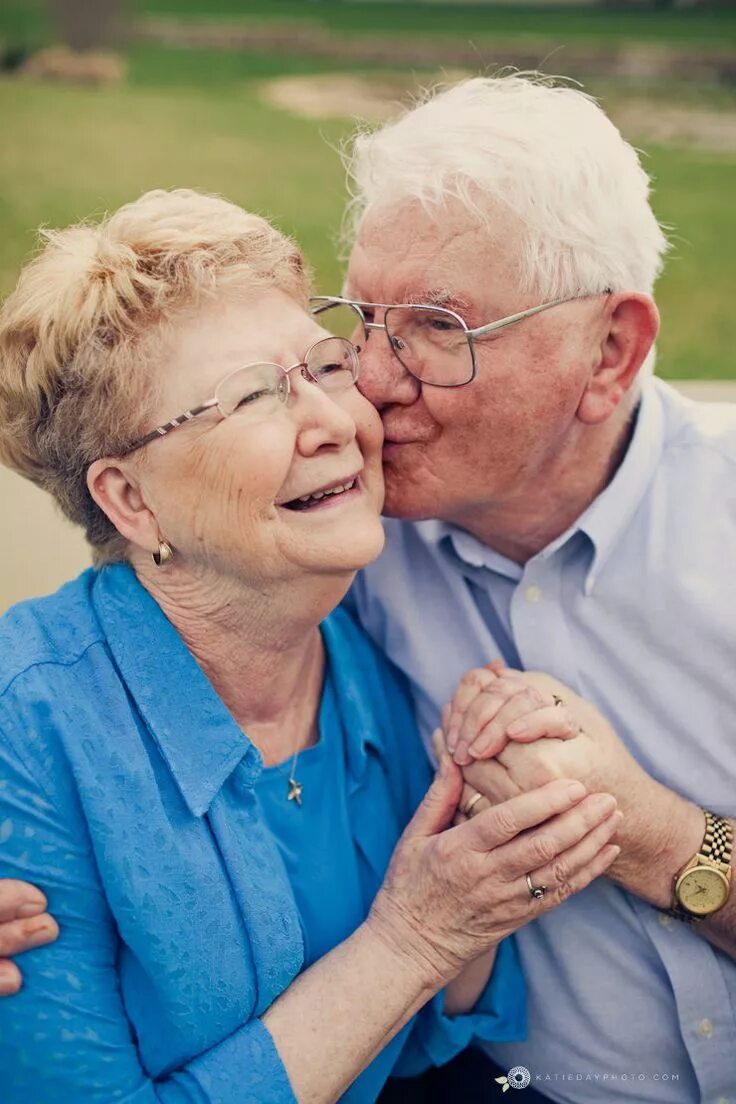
(30, 908)
(612, 851)
(604, 803)
(8, 980)
(444, 765)
(575, 791)
(452, 738)
(37, 927)
(517, 728)
(461, 752)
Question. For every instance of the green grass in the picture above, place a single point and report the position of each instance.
(710, 25)
(70, 152)
(193, 117)
(713, 26)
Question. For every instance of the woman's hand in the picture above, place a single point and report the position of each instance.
(495, 704)
(24, 924)
(450, 895)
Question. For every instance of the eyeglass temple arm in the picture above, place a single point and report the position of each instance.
(503, 322)
(161, 431)
(319, 303)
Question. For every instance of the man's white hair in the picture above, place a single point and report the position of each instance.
(543, 150)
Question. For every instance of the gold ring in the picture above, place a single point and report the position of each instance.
(470, 805)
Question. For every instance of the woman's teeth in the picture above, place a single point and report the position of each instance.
(323, 494)
(305, 501)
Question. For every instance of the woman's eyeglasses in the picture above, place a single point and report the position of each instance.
(256, 391)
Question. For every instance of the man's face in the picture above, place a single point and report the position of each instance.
(450, 453)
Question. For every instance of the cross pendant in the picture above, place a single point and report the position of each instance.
(295, 791)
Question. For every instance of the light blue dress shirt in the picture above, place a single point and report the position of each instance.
(131, 796)
(635, 608)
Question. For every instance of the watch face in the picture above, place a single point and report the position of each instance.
(702, 890)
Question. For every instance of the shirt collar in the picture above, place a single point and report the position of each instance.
(608, 516)
(602, 522)
(463, 546)
(358, 688)
(195, 733)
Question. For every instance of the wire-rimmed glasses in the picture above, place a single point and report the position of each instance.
(256, 391)
(434, 344)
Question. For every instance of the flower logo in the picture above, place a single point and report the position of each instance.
(517, 1078)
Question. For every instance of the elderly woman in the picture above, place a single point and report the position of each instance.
(204, 766)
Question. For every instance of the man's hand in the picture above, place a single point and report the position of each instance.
(660, 831)
(494, 704)
(24, 924)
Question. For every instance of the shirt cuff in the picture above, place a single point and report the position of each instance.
(499, 1015)
(245, 1068)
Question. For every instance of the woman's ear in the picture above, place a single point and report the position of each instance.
(115, 489)
(631, 326)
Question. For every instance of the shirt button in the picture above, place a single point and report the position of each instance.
(533, 593)
(665, 920)
(705, 1028)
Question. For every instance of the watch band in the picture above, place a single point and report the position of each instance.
(716, 849)
(718, 841)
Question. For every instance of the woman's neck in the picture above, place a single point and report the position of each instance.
(261, 650)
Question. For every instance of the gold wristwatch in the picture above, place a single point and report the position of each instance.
(704, 883)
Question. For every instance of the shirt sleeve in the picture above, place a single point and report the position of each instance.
(66, 1036)
(499, 1016)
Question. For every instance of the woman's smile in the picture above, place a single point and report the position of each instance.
(331, 495)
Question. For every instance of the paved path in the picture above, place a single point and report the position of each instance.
(708, 390)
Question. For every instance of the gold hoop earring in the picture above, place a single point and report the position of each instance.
(163, 555)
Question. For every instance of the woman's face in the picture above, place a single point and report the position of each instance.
(223, 491)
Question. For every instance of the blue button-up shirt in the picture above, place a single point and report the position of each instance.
(131, 796)
(634, 608)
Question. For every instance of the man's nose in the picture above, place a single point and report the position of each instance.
(383, 379)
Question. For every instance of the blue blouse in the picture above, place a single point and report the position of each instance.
(131, 796)
(315, 839)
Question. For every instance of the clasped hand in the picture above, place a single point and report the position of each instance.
(513, 731)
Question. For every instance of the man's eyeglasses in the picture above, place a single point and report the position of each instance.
(434, 344)
(256, 391)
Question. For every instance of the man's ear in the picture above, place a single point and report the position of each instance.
(631, 326)
(116, 491)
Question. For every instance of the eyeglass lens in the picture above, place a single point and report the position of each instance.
(343, 321)
(258, 390)
(431, 343)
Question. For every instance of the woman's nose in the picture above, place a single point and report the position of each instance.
(383, 379)
(322, 419)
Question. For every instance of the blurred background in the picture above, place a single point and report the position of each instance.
(102, 99)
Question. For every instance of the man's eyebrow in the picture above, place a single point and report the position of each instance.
(441, 297)
(431, 297)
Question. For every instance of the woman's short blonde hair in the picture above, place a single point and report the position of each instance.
(81, 332)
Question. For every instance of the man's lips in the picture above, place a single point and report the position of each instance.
(393, 443)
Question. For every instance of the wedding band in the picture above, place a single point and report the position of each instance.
(557, 699)
(470, 805)
(535, 892)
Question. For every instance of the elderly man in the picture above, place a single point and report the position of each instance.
(553, 504)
